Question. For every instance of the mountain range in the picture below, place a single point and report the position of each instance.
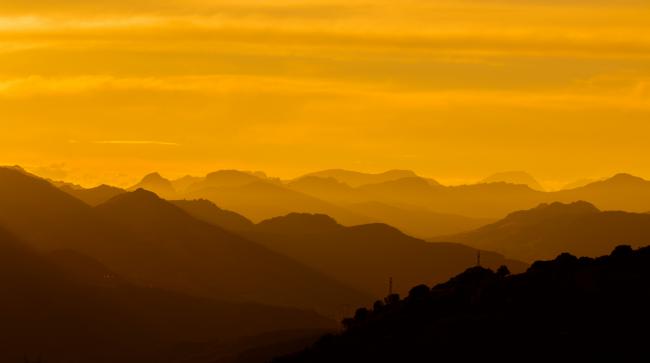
(152, 242)
(265, 286)
(549, 229)
(416, 205)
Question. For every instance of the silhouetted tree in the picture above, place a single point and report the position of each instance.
(623, 251)
(361, 315)
(503, 271)
(392, 299)
(566, 310)
(348, 323)
(419, 292)
(378, 305)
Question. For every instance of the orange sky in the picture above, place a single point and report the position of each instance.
(105, 91)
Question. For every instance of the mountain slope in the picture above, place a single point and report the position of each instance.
(367, 255)
(566, 310)
(152, 242)
(620, 192)
(208, 212)
(200, 258)
(578, 228)
(93, 196)
(48, 312)
(37, 211)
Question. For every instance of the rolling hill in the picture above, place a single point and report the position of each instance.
(579, 228)
(367, 255)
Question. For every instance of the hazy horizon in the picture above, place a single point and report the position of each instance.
(456, 90)
(64, 173)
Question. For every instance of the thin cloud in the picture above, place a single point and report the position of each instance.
(136, 142)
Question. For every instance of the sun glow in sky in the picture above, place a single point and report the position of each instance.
(105, 91)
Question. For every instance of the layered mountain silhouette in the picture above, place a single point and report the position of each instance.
(568, 309)
(417, 205)
(548, 229)
(209, 212)
(181, 185)
(260, 199)
(66, 307)
(154, 182)
(514, 177)
(92, 196)
(357, 179)
(236, 267)
(154, 243)
(228, 179)
(366, 256)
(484, 200)
(620, 192)
(418, 221)
(577, 183)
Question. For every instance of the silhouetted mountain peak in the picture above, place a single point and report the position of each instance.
(556, 209)
(20, 187)
(624, 178)
(299, 223)
(18, 172)
(514, 177)
(156, 183)
(15, 167)
(93, 196)
(138, 197)
(145, 209)
(143, 194)
(153, 177)
(227, 178)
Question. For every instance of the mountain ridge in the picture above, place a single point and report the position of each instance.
(544, 231)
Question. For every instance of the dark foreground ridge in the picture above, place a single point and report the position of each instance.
(567, 309)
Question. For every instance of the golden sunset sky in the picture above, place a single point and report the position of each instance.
(105, 91)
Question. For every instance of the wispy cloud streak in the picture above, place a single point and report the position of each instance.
(136, 142)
